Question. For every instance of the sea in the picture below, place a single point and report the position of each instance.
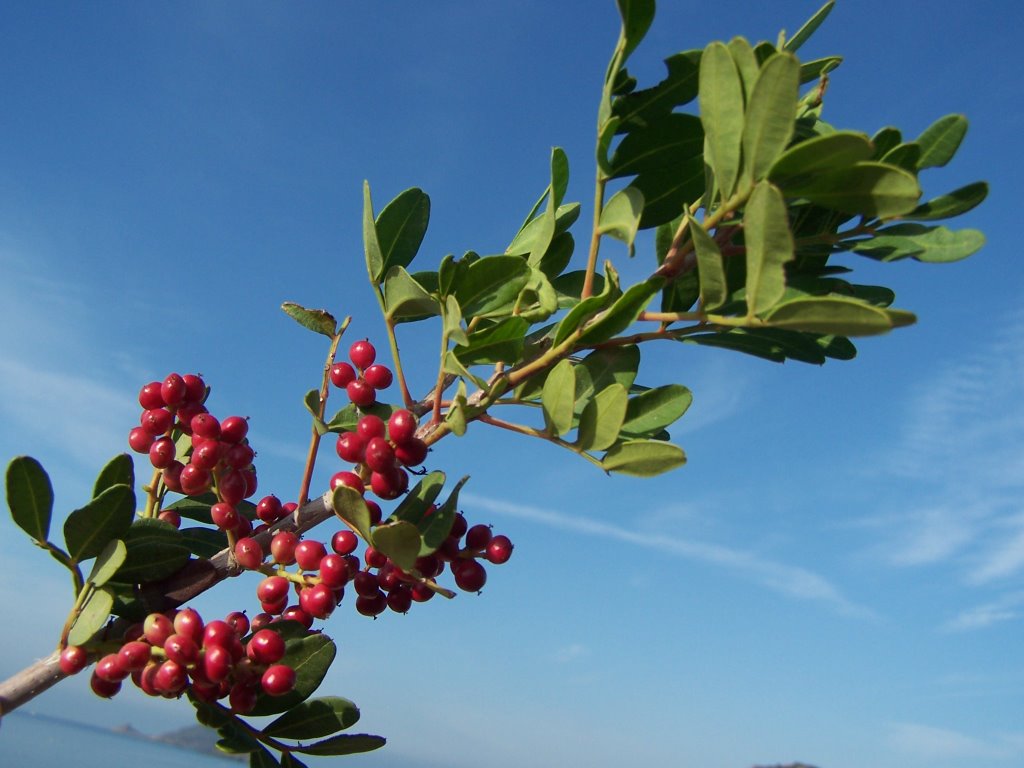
(40, 741)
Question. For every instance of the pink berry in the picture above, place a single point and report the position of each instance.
(224, 516)
(194, 480)
(156, 421)
(272, 589)
(189, 623)
(318, 601)
(205, 425)
(231, 486)
(282, 547)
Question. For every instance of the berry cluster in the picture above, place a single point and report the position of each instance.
(380, 452)
(167, 655)
(217, 455)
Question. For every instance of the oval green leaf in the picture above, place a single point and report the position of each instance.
(405, 299)
(602, 419)
(108, 516)
(317, 320)
(401, 227)
(93, 617)
(940, 141)
(643, 458)
(490, 285)
(315, 718)
(415, 503)
(107, 563)
(558, 398)
(655, 409)
(769, 247)
(310, 657)
(344, 744)
(349, 505)
(866, 188)
(721, 113)
(30, 496)
(120, 470)
(400, 541)
(835, 316)
(771, 112)
(710, 269)
(155, 550)
(953, 204)
(822, 153)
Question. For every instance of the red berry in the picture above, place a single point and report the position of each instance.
(351, 447)
(272, 589)
(205, 455)
(370, 426)
(156, 421)
(231, 486)
(366, 584)
(459, 526)
(171, 678)
(372, 606)
(217, 663)
(401, 427)
(218, 632)
(242, 698)
(342, 374)
(189, 623)
(318, 601)
(268, 509)
(150, 397)
(239, 456)
(389, 484)
(139, 440)
(349, 479)
(248, 553)
(333, 571)
(195, 388)
(429, 566)
(186, 413)
(111, 668)
(412, 453)
(103, 688)
(361, 393)
(170, 516)
(400, 600)
(135, 655)
(224, 515)
(234, 429)
(470, 576)
(162, 452)
(375, 511)
(296, 613)
(181, 649)
(173, 390)
(499, 550)
(265, 647)
(278, 680)
(478, 537)
(238, 622)
(282, 547)
(380, 456)
(344, 542)
(309, 553)
(259, 621)
(378, 376)
(73, 659)
(421, 592)
(157, 628)
(249, 476)
(362, 354)
(205, 425)
(375, 558)
(194, 480)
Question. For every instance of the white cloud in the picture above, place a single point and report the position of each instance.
(790, 580)
(931, 743)
(1007, 608)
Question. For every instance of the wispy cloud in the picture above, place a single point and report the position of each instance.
(1008, 608)
(931, 743)
(790, 580)
(570, 653)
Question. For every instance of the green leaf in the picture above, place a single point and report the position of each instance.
(108, 516)
(524, 241)
(288, 760)
(656, 408)
(318, 320)
(558, 398)
(769, 247)
(812, 70)
(310, 657)
(644, 107)
(620, 216)
(156, 549)
(93, 616)
(400, 228)
(312, 402)
(836, 316)
(884, 140)
(710, 269)
(405, 299)
(451, 364)
(457, 416)
(107, 563)
(666, 143)
(637, 16)
(415, 503)
(537, 301)
(371, 244)
(500, 342)
(866, 188)
(559, 176)
(400, 541)
(771, 112)
(345, 420)
(721, 114)
(435, 528)
(923, 243)
(800, 163)
(589, 307)
(643, 458)
(809, 28)
(940, 141)
(204, 542)
(262, 758)
(953, 204)
(349, 505)
(345, 744)
(490, 285)
(746, 63)
(120, 470)
(903, 156)
(195, 507)
(30, 496)
(602, 419)
(603, 367)
(558, 255)
(623, 313)
(314, 718)
(236, 740)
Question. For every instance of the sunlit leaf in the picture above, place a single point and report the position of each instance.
(93, 616)
(643, 458)
(371, 244)
(317, 320)
(656, 408)
(771, 110)
(87, 530)
(940, 141)
(156, 550)
(953, 204)
(623, 313)
(803, 161)
(867, 188)
(120, 470)
(921, 242)
(558, 398)
(400, 541)
(837, 316)
(107, 563)
(491, 285)
(400, 228)
(620, 216)
(415, 503)
(435, 528)
(809, 27)
(349, 505)
(602, 418)
(769, 247)
(721, 114)
(713, 288)
(405, 299)
(502, 341)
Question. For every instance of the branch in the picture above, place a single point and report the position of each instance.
(194, 579)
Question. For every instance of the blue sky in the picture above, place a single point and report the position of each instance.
(837, 576)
